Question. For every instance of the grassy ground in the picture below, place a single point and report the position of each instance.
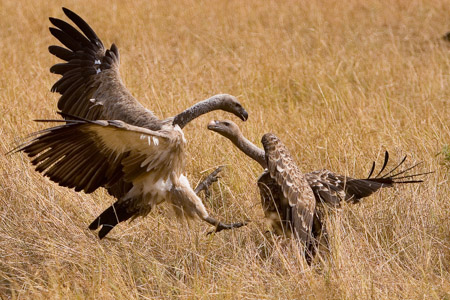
(338, 81)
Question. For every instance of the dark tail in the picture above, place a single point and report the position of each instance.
(112, 216)
(360, 188)
(391, 177)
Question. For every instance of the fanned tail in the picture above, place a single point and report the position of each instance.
(360, 188)
(391, 178)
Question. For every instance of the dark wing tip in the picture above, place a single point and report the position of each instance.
(104, 231)
(386, 159)
(53, 30)
(85, 28)
(371, 170)
(68, 12)
(115, 49)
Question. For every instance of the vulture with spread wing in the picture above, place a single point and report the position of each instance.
(110, 140)
(292, 200)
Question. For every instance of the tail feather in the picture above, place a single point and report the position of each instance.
(371, 170)
(389, 178)
(112, 216)
(386, 159)
(356, 189)
(396, 167)
(360, 188)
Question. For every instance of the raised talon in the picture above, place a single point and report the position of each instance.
(210, 179)
(213, 177)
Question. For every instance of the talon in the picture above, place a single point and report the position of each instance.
(215, 178)
(222, 226)
(210, 179)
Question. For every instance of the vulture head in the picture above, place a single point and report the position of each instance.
(226, 128)
(230, 104)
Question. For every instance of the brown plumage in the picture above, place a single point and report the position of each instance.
(282, 178)
(91, 87)
(86, 155)
(136, 156)
(294, 210)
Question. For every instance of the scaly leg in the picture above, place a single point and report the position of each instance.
(206, 183)
(204, 186)
(223, 226)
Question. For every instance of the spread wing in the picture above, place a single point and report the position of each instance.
(327, 186)
(86, 155)
(91, 87)
(293, 184)
(332, 188)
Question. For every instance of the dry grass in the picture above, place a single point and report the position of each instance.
(338, 81)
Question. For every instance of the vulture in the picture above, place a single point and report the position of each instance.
(108, 139)
(291, 200)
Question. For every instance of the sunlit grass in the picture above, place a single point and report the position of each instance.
(339, 82)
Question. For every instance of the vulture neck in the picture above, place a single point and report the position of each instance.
(250, 149)
(201, 108)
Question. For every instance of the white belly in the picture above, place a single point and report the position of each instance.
(149, 191)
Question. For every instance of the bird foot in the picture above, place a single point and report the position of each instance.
(206, 183)
(222, 226)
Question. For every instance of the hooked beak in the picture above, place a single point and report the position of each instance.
(244, 115)
(213, 124)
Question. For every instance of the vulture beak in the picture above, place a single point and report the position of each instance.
(213, 124)
(244, 115)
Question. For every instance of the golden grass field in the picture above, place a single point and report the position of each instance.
(339, 82)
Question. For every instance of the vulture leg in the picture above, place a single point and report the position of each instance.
(223, 226)
(205, 184)
(118, 212)
(112, 216)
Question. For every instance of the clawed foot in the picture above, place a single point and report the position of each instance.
(206, 183)
(221, 226)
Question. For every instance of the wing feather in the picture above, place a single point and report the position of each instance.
(86, 155)
(85, 28)
(294, 186)
(91, 71)
(332, 188)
